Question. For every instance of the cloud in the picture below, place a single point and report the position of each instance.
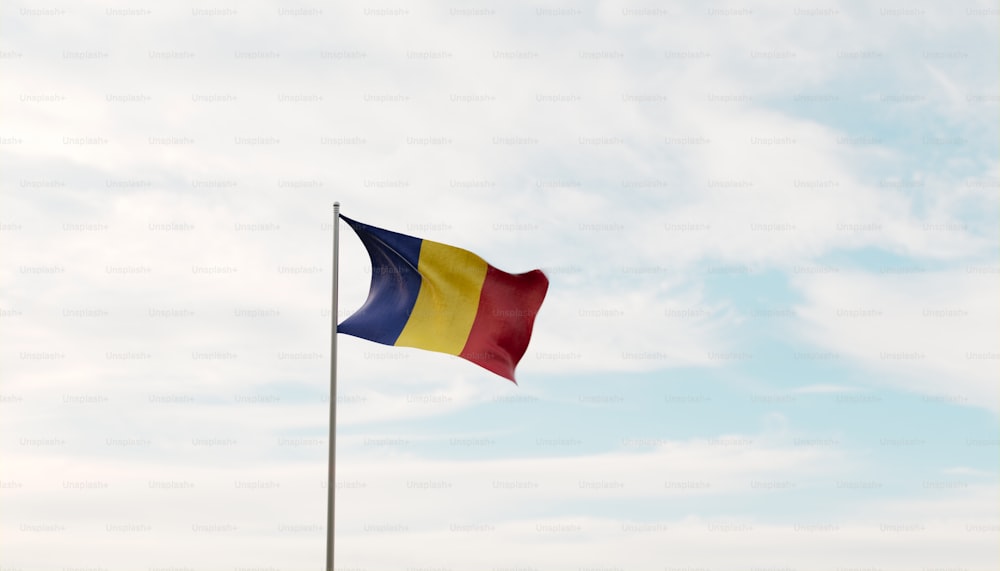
(168, 176)
(481, 507)
(933, 333)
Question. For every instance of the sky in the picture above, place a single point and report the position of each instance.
(770, 339)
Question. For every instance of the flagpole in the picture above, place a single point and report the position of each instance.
(331, 479)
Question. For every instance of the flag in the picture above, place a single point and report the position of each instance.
(437, 297)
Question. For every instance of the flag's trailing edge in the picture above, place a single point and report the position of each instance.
(437, 297)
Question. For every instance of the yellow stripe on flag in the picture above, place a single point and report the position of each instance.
(446, 305)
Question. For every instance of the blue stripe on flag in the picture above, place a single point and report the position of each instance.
(394, 286)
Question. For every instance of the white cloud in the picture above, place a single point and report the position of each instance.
(933, 333)
(635, 170)
(492, 509)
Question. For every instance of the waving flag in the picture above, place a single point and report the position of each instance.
(437, 297)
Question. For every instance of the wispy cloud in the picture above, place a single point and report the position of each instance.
(768, 223)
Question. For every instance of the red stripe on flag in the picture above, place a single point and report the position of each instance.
(502, 327)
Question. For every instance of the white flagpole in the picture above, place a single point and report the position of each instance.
(331, 479)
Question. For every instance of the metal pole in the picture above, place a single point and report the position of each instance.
(331, 479)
